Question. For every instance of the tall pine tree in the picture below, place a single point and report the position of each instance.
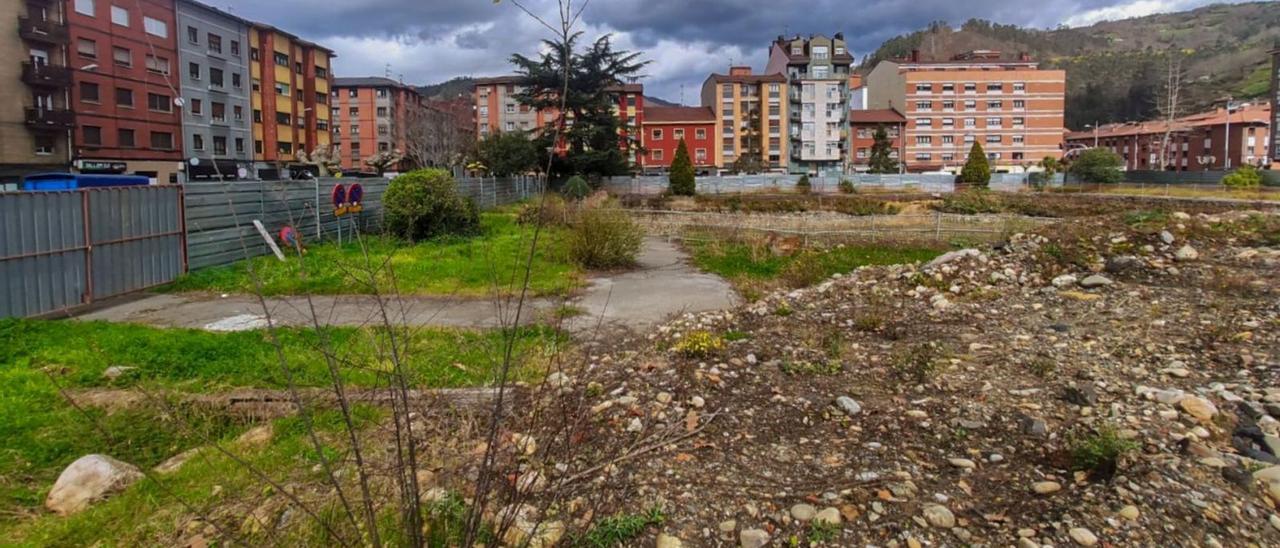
(882, 160)
(681, 181)
(976, 170)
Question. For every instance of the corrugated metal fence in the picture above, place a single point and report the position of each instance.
(922, 182)
(60, 250)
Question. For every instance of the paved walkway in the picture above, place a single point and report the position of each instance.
(662, 285)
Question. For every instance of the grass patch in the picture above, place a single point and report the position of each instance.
(1098, 452)
(747, 265)
(619, 529)
(451, 265)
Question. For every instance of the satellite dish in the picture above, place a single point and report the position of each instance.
(178, 102)
(194, 161)
(242, 173)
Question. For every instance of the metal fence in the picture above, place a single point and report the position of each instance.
(1212, 177)
(59, 250)
(728, 184)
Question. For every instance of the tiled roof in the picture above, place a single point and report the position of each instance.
(1251, 114)
(507, 79)
(679, 114)
(369, 82)
(747, 78)
(879, 116)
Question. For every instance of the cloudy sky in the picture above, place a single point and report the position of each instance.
(428, 41)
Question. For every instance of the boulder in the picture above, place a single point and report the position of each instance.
(89, 479)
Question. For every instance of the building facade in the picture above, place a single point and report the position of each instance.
(213, 60)
(289, 92)
(1012, 107)
(665, 127)
(1274, 99)
(750, 113)
(863, 125)
(630, 110)
(35, 123)
(817, 71)
(372, 115)
(1209, 140)
(499, 110)
(123, 88)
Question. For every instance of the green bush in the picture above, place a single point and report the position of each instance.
(846, 187)
(576, 188)
(605, 238)
(681, 181)
(1099, 451)
(425, 203)
(1097, 165)
(803, 186)
(976, 170)
(1245, 176)
(971, 202)
(551, 209)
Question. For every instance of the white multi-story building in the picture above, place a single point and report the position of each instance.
(817, 74)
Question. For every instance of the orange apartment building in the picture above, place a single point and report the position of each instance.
(498, 109)
(1012, 107)
(371, 115)
(1197, 142)
(290, 98)
(750, 112)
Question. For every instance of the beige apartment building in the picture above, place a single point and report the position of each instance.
(750, 117)
(1012, 107)
(35, 122)
(817, 71)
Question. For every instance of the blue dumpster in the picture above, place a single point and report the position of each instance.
(73, 181)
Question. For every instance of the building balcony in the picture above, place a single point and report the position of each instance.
(46, 75)
(50, 119)
(48, 32)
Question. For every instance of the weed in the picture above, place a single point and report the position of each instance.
(620, 529)
(920, 363)
(733, 335)
(699, 344)
(1146, 218)
(1041, 367)
(971, 202)
(1098, 452)
(868, 322)
(822, 531)
(566, 311)
(805, 367)
(783, 310)
(605, 238)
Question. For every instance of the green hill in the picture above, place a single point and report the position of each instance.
(1116, 70)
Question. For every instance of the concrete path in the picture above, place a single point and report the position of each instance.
(662, 285)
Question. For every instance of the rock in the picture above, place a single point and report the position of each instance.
(1065, 280)
(1166, 237)
(1096, 280)
(668, 541)
(1129, 512)
(1027, 543)
(1274, 520)
(753, 538)
(1084, 396)
(89, 479)
(1046, 487)
(525, 444)
(1186, 253)
(635, 425)
(963, 463)
(174, 463)
(850, 406)
(531, 482)
(256, 436)
(527, 530)
(952, 256)
(829, 516)
(116, 371)
(1082, 536)
(1268, 474)
(1120, 264)
(803, 512)
(1033, 426)
(697, 402)
(1200, 408)
(939, 516)
(663, 398)
(728, 526)
(559, 380)
(751, 359)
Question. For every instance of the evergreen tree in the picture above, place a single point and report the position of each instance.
(976, 170)
(592, 143)
(681, 181)
(882, 153)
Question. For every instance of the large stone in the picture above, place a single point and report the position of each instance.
(829, 516)
(1200, 408)
(256, 436)
(939, 516)
(668, 541)
(176, 462)
(753, 538)
(1084, 396)
(1082, 536)
(1096, 280)
(89, 479)
(850, 406)
(803, 512)
(1046, 487)
(1186, 253)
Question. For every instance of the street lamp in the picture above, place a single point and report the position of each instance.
(1094, 127)
(1226, 160)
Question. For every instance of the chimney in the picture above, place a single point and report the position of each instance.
(915, 56)
(740, 70)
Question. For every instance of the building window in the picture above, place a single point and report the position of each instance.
(161, 140)
(970, 87)
(656, 155)
(87, 48)
(925, 140)
(995, 105)
(119, 16)
(193, 35)
(193, 71)
(353, 93)
(924, 122)
(253, 55)
(381, 92)
(235, 80)
(197, 141)
(257, 146)
(382, 130)
(197, 107)
(45, 145)
(924, 105)
(215, 77)
(239, 144)
(218, 112)
(995, 87)
(122, 56)
(257, 116)
(1019, 87)
(158, 65)
(219, 145)
(948, 88)
(923, 157)
(282, 89)
(382, 112)
(89, 92)
(158, 102)
(92, 135)
(1019, 139)
(156, 27)
(321, 73)
(677, 134)
(85, 7)
(994, 139)
(700, 133)
(283, 118)
(215, 43)
(970, 122)
(656, 135)
(355, 129)
(235, 50)
(948, 139)
(281, 59)
(124, 97)
(820, 52)
(297, 67)
(924, 88)
(1019, 104)
(993, 122)
(1018, 122)
(971, 105)
(238, 112)
(511, 108)
(284, 147)
(354, 112)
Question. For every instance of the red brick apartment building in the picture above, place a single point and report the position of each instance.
(663, 129)
(1197, 142)
(631, 113)
(864, 124)
(371, 115)
(1012, 107)
(122, 57)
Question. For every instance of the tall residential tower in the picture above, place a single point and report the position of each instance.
(817, 76)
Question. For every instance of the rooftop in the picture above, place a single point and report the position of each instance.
(370, 82)
(679, 114)
(1249, 114)
(878, 116)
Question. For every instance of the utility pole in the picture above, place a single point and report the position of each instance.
(1226, 160)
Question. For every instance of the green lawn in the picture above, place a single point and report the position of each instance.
(463, 266)
(42, 433)
(754, 270)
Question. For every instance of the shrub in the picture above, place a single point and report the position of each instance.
(920, 363)
(425, 203)
(1245, 176)
(681, 181)
(976, 170)
(699, 344)
(971, 202)
(806, 269)
(846, 187)
(1099, 451)
(551, 209)
(576, 188)
(1097, 165)
(803, 186)
(605, 238)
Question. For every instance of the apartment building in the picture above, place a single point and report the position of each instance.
(213, 60)
(665, 127)
(817, 71)
(1012, 107)
(750, 112)
(1274, 99)
(630, 110)
(35, 123)
(123, 88)
(289, 92)
(1216, 139)
(863, 125)
(498, 109)
(372, 115)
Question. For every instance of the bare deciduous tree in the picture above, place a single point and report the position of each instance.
(1169, 107)
(432, 137)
